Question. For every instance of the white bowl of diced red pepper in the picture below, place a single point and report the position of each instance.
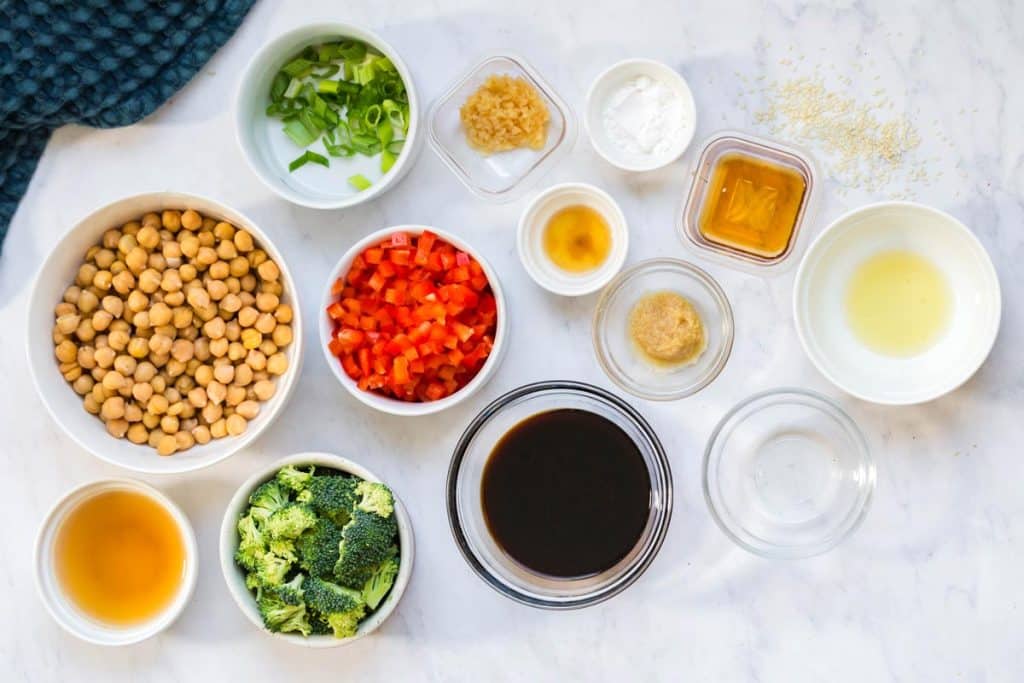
(412, 320)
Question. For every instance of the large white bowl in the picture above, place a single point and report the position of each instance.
(268, 150)
(58, 272)
(235, 575)
(393, 405)
(64, 611)
(819, 310)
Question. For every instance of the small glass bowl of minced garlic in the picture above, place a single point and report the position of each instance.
(663, 329)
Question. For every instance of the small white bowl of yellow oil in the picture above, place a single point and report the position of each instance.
(573, 239)
(897, 303)
(115, 562)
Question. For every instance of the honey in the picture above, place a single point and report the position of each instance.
(120, 557)
(577, 239)
(752, 205)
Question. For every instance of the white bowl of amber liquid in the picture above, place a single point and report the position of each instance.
(115, 562)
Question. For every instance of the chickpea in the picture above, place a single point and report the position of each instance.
(218, 289)
(148, 237)
(212, 412)
(274, 288)
(206, 256)
(126, 365)
(182, 351)
(202, 434)
(157, 404)
(231, 303)
(236, 424)
(100, 321)
(86, 272)
(191, 220)
(204, 375)
(155, 435)
(268, 348)
(171, 220)
(132, 412)
(256, 257)
(219, 429)
(113, 380)
(267, 302)
(198, 298)
(249, 285)
(118, 340)
(251, 339)
(138, 434)
(91, 405)
(184, 440)
(224, 373)
(256, 360)
(247, 316)
(283, 314)
(226, 250)
(238, 267)
(160, 314)
(197, 397)
(166, 444)
(190, 246)
(206, 237)
(169, 423)
(243, 375)
(248, 409)
(138, 347)
(87, 301)
(66, 351)
(68, 322)
(235, 396)
(112, 409)
(174, 299)
(144, 371)
(268, 270)
(103, 258)
(137, 301)
(159, 383)
(114, 305)
(266, 323)
(150, 420)
(160, 344)
(277, 364)
(187, 272)
(215, 328)
(126, 244)
(83, 385)
(171, 281)
(71, 372)
(117, 428)
(236, 351)
(175, 368)
(224, 230)
(157, 261)
(216, 392)
(71, 295)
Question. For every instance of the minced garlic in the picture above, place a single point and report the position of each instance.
(505, 113)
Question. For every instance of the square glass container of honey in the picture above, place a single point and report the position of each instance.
(750, 202)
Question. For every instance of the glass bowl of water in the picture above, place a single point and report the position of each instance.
(788, 474)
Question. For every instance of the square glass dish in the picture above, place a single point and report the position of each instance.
(503, 176)
(750, 203)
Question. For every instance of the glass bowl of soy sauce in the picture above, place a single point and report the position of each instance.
(559, 495)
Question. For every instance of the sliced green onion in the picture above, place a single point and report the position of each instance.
(306, 157)
(350, 50)
(327, 86)
(395, 146)
(298, 68)
(372, 116)
(293, 89)
(359, 182)
(326, 71)
(278, 86)
(301, 135)
(387, 160)
(385, 133)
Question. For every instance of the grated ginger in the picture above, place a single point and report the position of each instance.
(505, 113)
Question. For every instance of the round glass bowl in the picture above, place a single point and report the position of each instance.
(624, 364)
(465, 509)
(787, 474)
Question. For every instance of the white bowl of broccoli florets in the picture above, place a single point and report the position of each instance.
(316, 550)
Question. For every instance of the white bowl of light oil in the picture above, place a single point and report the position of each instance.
(897, 303)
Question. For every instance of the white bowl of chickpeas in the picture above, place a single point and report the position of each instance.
(163, 333)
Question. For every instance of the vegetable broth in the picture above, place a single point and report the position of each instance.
(566, 493)
(120, 557)
(577, 239)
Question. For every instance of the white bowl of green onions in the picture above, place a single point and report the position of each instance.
(327, 115)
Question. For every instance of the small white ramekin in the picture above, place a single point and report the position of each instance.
(235, 576)
(602, 89)
(63, 610)
(252, 99)
(387, 404)
(530, 240)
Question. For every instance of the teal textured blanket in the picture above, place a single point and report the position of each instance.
(101, 63)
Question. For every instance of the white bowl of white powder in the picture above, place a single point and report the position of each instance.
(640, 115)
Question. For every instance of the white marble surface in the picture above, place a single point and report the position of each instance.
(930, 587)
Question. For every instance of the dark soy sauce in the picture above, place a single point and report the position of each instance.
(566, 493)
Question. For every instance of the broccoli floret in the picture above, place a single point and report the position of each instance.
(380, 583)
(331, 496)
(250, 542)
(367, 541)
(266, 500)
(341, 607)
(252, 582)
(283, 547)
(271, 569)
(291, 593)
(319, 625)
(318, 548)
(293, 478)
(290, 521)
(374, 497)
(280, 616)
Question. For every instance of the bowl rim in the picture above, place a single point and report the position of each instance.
(824, 403)
(650, 66)
(586, 283)
(393, 406)
(286, 383)
(630, 573)
(717, 292)
(43, 571)
(801, 321)
(243, 113)
(227, 538)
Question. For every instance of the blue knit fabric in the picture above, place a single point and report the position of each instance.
(102, 63)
